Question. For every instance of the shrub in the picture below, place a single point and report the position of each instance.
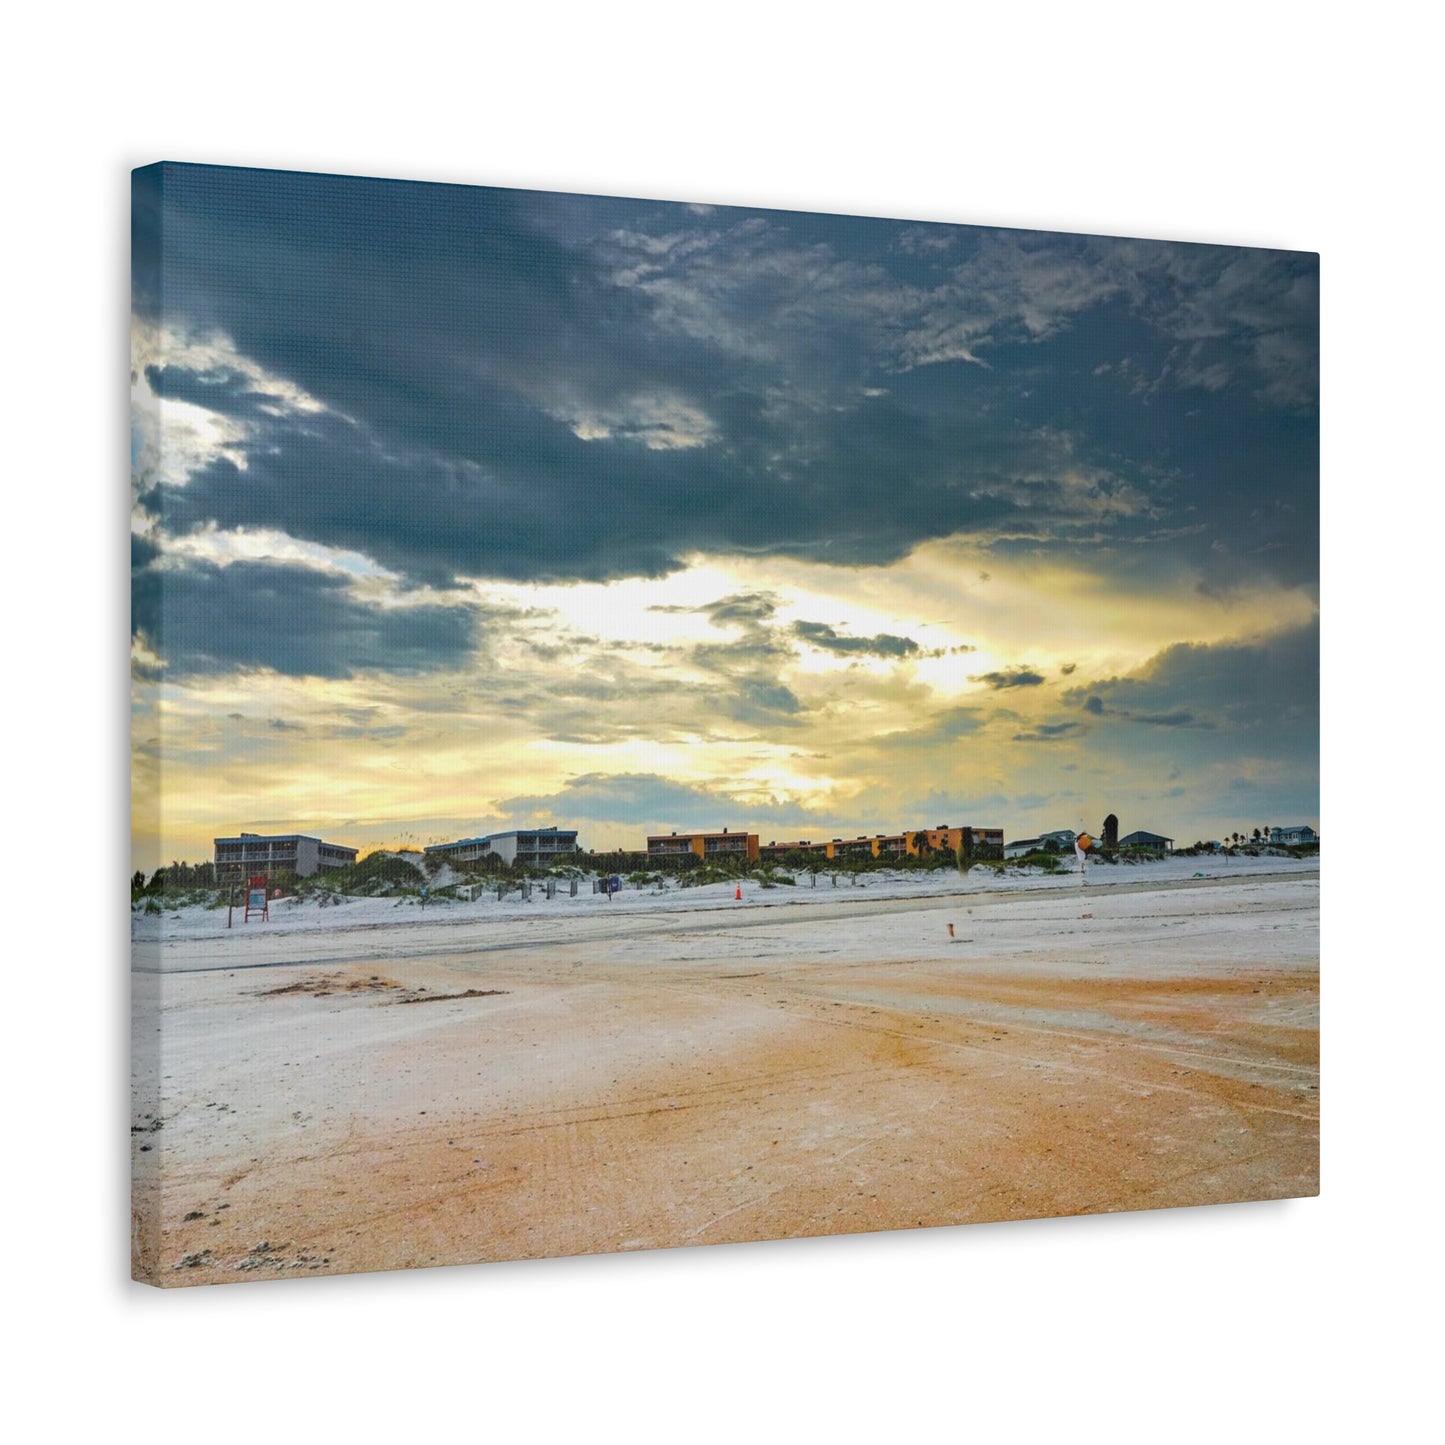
(378, 875)
(1049, 862)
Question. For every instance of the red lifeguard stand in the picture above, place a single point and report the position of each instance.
(256, 900)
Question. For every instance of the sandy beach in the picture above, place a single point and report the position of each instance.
(374, 1086)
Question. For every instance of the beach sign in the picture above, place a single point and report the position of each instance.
(256, 901)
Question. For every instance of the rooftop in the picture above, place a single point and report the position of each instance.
(493, 837)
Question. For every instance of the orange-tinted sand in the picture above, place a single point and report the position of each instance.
(728, 1076)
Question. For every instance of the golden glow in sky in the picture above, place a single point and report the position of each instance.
(652, 678)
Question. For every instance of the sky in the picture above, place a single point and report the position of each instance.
(461, 509)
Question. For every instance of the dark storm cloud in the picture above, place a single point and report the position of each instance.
(594, 692)
(147, 217)
(1013, 677)
(206, 619)
(825, 387)
(1048, 732)
(941, 730)
(648, 801)
(1269, 687)
(757, 697)
(885, 644)
(143, 551)
(523, 498)
(743, 608)
(742, 683)
(1096, 707)
(748, 610)
(219, 391)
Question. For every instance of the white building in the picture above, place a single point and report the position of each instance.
(1061, 840)
(255, 853)
(538, 847)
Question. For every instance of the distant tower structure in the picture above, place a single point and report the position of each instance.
(1111, 831)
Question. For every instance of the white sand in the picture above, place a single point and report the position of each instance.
(362, 929)
(376, 1087)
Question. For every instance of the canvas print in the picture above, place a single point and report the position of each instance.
(661, 724)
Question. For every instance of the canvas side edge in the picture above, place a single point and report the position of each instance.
(147, 192)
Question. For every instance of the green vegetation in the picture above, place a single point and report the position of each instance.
(624, 862)
(403, 875)
(715, 873)
(176, 879)
(378, 875)
(169, 900)
(1049, 862)
(766, 875)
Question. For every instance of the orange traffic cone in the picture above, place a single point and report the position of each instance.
(739, 894)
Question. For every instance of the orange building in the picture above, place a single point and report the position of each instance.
(919, 842)
(717, 846)
(860, 847)
(976, 842)
(776, 850)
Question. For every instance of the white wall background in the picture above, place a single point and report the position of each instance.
(1265, 125)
